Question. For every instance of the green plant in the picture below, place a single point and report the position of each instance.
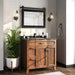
(13, 46)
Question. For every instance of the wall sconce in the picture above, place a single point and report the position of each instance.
(16, 16)
(51, 17)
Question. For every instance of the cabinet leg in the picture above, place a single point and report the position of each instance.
(54, 67)
(27, 71)
(11, 66)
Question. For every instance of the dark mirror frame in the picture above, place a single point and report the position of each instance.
(28, 9)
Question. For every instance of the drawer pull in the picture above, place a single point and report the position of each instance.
(32, 48)
(32, 59)
(40, 43)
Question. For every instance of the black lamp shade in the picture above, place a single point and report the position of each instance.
(49, 19)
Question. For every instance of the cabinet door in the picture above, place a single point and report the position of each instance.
(31, 55)
(41, 57)
(51, 53)
(50, 57)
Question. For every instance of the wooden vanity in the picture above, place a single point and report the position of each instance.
(38, 54)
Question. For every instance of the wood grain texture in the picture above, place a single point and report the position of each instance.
(38, 54)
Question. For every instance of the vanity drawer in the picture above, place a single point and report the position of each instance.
(51, 43)
(31, 41)
(41, 44)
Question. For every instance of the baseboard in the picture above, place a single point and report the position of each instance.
(1, 72)
(66, 66)
(60, 64)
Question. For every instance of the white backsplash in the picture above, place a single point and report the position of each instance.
(31, 31)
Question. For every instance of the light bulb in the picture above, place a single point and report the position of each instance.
(51, 16)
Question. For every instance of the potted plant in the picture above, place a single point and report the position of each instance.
(13, 48)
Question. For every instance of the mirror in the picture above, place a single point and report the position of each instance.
(33, 17)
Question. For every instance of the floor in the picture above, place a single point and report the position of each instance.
(67, 71)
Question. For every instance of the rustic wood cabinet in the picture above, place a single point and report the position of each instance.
(38, 54)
